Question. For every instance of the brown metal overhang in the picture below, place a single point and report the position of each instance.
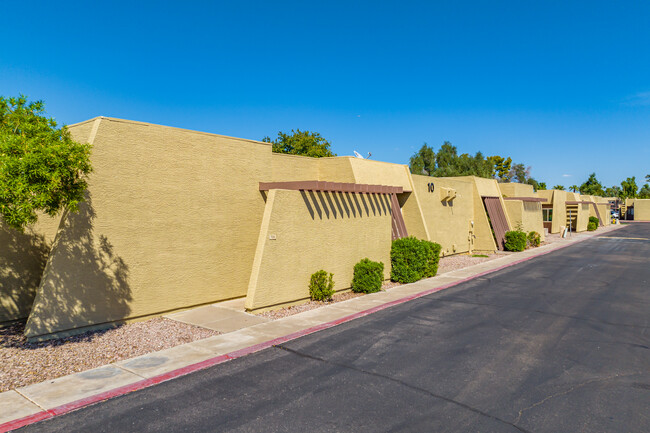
(317, 185)
(533, 199)
(578, 202)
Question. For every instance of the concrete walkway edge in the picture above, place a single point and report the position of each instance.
(132, 380)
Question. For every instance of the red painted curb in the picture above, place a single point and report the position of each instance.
(145, 383)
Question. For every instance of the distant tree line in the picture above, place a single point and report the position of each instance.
(446, 162)
(627, 189)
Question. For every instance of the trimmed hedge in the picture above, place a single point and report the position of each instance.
(534, 239)
(413, 259)
(321, 286)
(591, 226)
(515, 240)
(368, 276)
(593, 219)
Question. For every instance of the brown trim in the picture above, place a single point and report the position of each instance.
(534, 199)
(577, 202)
(317, 185)
(498, 220)
(397, 223)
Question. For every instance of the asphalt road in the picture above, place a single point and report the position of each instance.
(560, 343)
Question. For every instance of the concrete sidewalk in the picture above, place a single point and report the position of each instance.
(244, 334)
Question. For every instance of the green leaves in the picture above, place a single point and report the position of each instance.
(303, 143)
(41, 167)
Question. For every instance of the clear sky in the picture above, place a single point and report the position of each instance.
(562, 86)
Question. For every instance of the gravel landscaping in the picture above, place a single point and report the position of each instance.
(23, 363)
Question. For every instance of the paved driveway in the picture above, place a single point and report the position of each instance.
(560, 343)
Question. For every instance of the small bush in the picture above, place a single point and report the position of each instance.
(515, 240)
(412, 259)
(534, 239)
(321, 286)
(591, 226)
(594, 220)
(433, 258)
(368, 276)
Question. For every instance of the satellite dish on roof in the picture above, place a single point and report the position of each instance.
(358, 155)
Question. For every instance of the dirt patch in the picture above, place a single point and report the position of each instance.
(23, 363)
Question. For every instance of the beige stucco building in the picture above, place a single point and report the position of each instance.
(524, 207)
(176, 219)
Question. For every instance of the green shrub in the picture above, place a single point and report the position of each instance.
(534, 239)
(321, 286)
(412, 259)
(515, 240)
(433, 258)
(591, 226)
(368, 276)
(594, 220)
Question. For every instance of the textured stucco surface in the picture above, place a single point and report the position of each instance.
(448, 222)
(22, 259)
(313, 231)
(171, 221)
(642, 209)
(526, 215)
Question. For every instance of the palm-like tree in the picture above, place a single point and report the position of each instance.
(574, 188)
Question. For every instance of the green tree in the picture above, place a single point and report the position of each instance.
(42, 169)
(303, 143)
(574, 188)
(592, 186)
(647, 177)
(519, 173)
(644, 192)
(541, 185)
(423, 161)
(501, 167)
(629, 188)
(614, 191)
(559, 187)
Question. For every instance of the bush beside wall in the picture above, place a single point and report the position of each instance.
(368, 276)
(321, 286)
(515, 240)
(413, 259)
(534, 239)
(591, 226)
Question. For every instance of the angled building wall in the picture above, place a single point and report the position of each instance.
(171, 221)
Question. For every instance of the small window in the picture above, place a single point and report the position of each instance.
(547, 215)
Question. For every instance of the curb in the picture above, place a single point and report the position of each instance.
(145, 383)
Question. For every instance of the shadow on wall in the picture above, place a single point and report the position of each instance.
(22, 260)
(344, 204)
(85, 282)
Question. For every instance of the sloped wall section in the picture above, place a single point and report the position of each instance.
(305, 231)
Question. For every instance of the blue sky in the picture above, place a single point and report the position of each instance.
(561, 86)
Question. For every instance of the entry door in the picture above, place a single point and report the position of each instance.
(498, 220)
(399, 228)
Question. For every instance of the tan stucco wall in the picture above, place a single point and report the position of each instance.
(448, 222)
(313, 231)
(513, 189)
(380, 173)
(526, 216)
(22, 259)
(172, 221)
(642, 209)
(557, 199)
